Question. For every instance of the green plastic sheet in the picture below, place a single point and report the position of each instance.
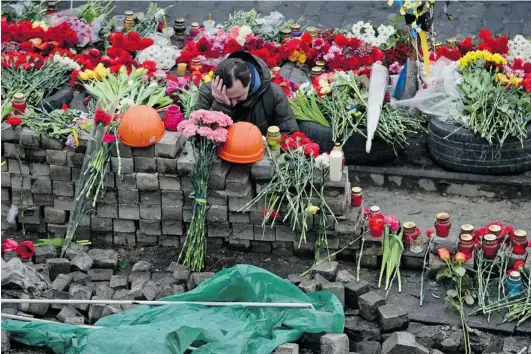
(220, 330)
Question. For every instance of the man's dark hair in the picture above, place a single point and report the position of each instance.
(232, 69)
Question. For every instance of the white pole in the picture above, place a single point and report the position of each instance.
(157, 303)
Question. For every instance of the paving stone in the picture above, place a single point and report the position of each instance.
(336, 288)
(118, 282)
(122, 294)
(332, 343)
(150, 212)
(110, 310)
(129, 212)
(75, 159)
(170, 145)
(353, 290)
(343, 276)
(368, 304)
(104, 258)
(263, 169)
(358, 329)
(150, 290)
(68, 312)
(100, 224)
(6, 344)
(82, 262)
(100, 274)
(56, 157)
(32, 215)
(147, 181)
(172, 198)
(62, 282)
(107, 210)
(142, 266)
(57, 266)
(402, 343)
(170, 290)
(198, 278)
(296, 279)
(120, 225)
(288, 348)
(170, 182)
(43, 199)
(80, 278)
(95, 312)
(368, 347)
(128, 196)
(145, 164)
(137, 278)
(123, 151)
(54, 216)
(392, 317)
(320, 279)
(80, 292)
(145, 151)
(327, 270)
(126, 165)
(182, 274)
(166, 166)
(103, 291)
(309, 285)
(60, 173)
(126, 181)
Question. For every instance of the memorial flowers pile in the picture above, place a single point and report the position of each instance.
(205, 131)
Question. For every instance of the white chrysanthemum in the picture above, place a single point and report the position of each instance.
(519, 47)
(322, 161)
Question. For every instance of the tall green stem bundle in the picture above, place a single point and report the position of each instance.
(194, 247)
(392, 254)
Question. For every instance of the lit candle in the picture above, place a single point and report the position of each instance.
(336, 163)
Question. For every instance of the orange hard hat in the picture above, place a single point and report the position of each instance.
(244, 144)
(140, 126)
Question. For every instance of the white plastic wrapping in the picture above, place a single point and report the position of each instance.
(377, 89)
(12, 214)
(440, 97)
(270, 22)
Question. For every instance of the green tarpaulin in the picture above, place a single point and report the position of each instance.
(221, 330)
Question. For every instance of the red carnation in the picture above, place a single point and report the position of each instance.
(14, 121)
(307, 38)
(341, 40)
(102, 117)
(311, 149)
(108, 138)
(466, 45)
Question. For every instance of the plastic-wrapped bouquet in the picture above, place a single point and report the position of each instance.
(367, 33)
(85, 32)
(164, 57)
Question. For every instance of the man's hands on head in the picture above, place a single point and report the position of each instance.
(219, 91)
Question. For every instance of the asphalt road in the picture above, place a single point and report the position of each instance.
(505, 17)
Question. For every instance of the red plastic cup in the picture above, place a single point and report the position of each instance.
(376, 225)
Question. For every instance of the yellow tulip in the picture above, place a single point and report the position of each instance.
(207, 79)
(90, 74)
(101, 71)
(83, 76)
(123, 69)
(311, 209)
(211, 73)
(325, 90)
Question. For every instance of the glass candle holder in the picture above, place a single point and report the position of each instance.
(119, 23)
(172, 118)
(410, 232)
(181, 69)
(490, 246)
(356, 198)
(376, 225)
(415, 245)
(442, 225)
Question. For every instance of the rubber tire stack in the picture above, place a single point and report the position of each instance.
(458, 149)
(354, 149)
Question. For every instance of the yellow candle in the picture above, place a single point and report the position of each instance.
(181, 69)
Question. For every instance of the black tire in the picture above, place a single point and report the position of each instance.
(458, 149)
(354, 148)
(65, 94)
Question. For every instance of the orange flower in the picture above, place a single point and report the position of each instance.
(460, 257)
(443, 253)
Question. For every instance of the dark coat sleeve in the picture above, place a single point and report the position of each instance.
(206, 101)
(285, 119)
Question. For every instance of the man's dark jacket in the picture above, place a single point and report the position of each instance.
(258, 107)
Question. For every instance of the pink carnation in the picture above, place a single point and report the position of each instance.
(234, 31)
(211, 117)
(190, 130)
(219, 135)
(392, 222)
(204, 131)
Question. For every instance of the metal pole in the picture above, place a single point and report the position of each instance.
(158, 303)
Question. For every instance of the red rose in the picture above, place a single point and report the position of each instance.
(341, 40)
(14, 121)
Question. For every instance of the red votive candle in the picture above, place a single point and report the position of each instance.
(376, 225)
(442, 225)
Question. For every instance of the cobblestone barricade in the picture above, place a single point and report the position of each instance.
(150, 202)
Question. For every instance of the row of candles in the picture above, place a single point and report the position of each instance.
(412, 236)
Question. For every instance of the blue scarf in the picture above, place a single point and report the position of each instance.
(255, 79)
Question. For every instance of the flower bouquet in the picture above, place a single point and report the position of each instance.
(205, 131)
(292, 190)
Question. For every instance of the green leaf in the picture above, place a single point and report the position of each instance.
(452, 292)
(460, 271)
(443, 273)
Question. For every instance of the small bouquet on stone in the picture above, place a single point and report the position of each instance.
(393, 247)
(205, 131)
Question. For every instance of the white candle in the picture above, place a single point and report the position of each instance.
(336, 162)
